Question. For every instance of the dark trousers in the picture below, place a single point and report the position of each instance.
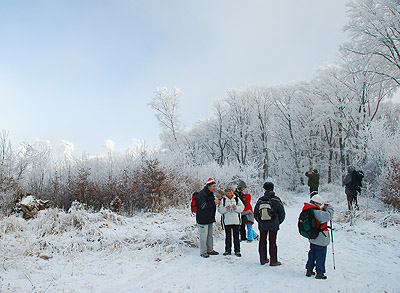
(243, 232)
(316, 258)
(350, 200)
(262, 246)
(313, 188)
(228, 238)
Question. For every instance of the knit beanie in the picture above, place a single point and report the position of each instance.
(241, 184)
(317, 198)
(268, 186)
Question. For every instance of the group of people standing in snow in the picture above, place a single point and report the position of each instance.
(237, 214)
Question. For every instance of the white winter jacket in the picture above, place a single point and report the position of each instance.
(230, 216)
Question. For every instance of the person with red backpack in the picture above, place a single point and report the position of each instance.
(318, 245)
(205, 218)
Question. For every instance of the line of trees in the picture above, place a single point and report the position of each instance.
(337, 119)
(344, 116)
(124, 182)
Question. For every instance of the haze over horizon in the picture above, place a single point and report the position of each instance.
(84, 72)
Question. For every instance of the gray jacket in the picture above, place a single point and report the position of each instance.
(322, 216)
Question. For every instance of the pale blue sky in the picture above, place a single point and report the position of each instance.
(84, 70)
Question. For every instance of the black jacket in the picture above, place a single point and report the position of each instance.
(206, 207)
(279, 212)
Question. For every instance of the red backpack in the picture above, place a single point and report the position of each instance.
(194, 202)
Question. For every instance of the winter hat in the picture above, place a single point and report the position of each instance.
(210, 182)
(241, 184)
(268, 186)
(317, 199)
(228, 189)
(315, 171)
(313, 193)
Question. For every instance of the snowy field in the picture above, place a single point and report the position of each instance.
(104, 252)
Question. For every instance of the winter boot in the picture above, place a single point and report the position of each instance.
(310, 273)
(321, 277)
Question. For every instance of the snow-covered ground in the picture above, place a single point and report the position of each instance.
(104, 252)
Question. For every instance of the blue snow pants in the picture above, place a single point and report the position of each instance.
(316, 258)
(251, 234)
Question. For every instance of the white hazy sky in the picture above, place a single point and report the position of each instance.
(84, 70)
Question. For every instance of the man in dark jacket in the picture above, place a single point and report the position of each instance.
(313, 180)
(240, 194)
(205, 218)
(353, 184)
(269, 213)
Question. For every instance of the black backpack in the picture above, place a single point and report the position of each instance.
(308, 225)
(266, 211)
(356, 181)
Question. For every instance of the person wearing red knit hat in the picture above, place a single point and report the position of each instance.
(205, 218)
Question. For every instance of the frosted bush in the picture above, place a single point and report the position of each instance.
(55, 231)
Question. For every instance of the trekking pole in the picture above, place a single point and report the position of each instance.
(333, 249)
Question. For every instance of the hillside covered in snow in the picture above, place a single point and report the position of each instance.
(81, 251)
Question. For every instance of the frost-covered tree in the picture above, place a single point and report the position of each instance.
(331, 113)
(6, 156)
(371, 64)
(293, 111)
(221, 124)
(374, 30)
(166, 104)
(39, 157)
(262, 111)
(240, 124)
(390, 112)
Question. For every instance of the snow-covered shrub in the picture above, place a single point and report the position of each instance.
(7, 202)
(56, 232)
(155, 187)
(9, 193)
